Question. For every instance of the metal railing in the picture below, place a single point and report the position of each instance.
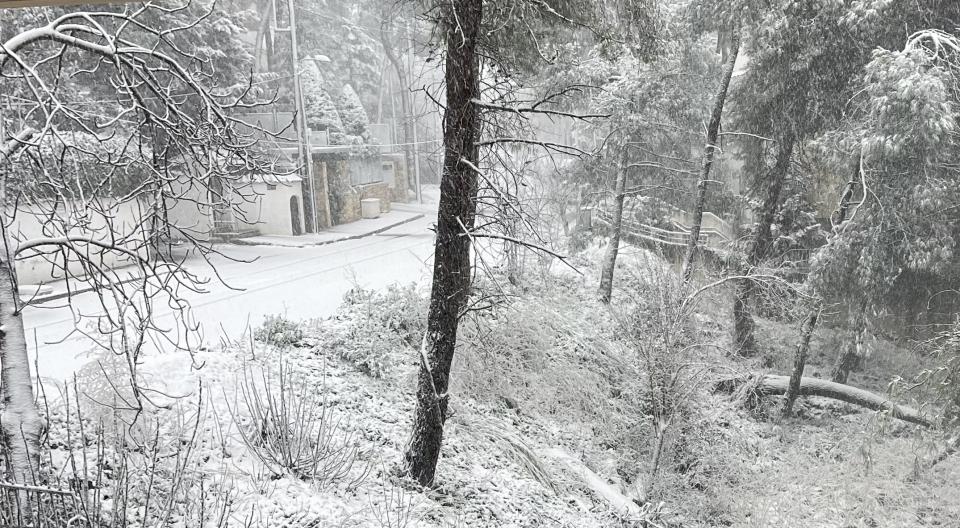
(793, 262)
(653, 234)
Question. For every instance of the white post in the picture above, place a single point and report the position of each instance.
(306, 151)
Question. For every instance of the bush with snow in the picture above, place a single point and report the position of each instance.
(322, 113)
(352, 113)
(371, 327)
(279, 331)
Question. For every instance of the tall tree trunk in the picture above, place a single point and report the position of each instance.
(852, 354)
(851, 357)
(265, 12)
(713, 132)
(743, 324)
(839, 216)
(800, 360)
(20, 421)
(616, 224)
(771, 202)
(451, 270)
(846, 196)
(744, 341)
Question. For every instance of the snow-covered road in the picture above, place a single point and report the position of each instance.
(301, 283)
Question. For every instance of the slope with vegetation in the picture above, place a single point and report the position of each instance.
(565, 412)
(748, 387)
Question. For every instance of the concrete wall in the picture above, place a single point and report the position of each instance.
(400, 183)
(28, 224)
(188, 215)
(261, 205)
(269, 211)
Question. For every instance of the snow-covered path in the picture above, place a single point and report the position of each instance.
(300, 283)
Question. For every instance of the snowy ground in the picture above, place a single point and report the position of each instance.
(500, 467)
(301, 283)
(543, 430)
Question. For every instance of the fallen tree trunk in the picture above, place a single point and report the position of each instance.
(618, 501)
(772, 385)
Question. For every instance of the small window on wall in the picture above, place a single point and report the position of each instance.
(271, 187)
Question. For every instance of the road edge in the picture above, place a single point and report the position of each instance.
(418, 216)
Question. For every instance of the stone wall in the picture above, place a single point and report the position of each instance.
(321, 168)
(377, 190)
(342, 196)
(344, 199)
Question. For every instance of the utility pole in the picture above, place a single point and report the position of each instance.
(306, 150)
(413, 116)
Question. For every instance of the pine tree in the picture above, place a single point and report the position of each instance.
(355, 120)
(322, 113)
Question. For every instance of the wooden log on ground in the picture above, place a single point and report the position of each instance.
(774, 385)
(618, 501)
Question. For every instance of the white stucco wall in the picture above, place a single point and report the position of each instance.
(260, 205)
(189, 215)
(28, 224)
(269, 213)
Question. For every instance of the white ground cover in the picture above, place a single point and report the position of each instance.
(481, 480)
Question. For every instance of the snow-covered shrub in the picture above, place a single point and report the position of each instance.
(352, 113)
(541, 353)
(394, 508)
(101, 469)
(322, 113)
(279, 331)
(372, 326)
(291, 429)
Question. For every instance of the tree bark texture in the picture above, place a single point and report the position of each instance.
(743, 323)
(744, 341)
(452, 269)
(800, 360)
(839, 216)
(265, 12)
(771, 202)
(20, 421)
(852, 355)
(616, 225)
(19, 418)
(846, 197)
(772, 385)
(709, 151)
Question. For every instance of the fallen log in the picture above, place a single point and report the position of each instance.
(772, 385)
(618, 501)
